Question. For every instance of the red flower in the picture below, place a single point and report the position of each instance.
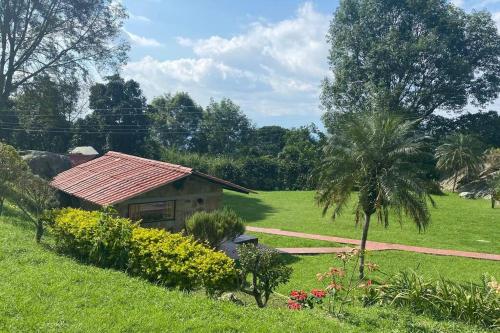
(369, 283)
(292, 305)
(298, 295)
(318, 293)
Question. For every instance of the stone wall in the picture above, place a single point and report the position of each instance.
(191, 194)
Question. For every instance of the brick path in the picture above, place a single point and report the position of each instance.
(371, 246)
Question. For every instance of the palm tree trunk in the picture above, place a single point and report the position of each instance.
(39, 231)
(366, 225)
(454, 182)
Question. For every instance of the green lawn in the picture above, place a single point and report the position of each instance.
(41, 291)
(456, 223)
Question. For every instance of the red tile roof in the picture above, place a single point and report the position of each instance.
(116, 177)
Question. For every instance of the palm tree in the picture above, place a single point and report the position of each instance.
(376, 154)
(460, 153)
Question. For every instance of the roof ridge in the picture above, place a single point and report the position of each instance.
(153, 162)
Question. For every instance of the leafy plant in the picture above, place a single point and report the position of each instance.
(215, 227)
(12, 168)
(266, 269)
(34, 196)
(459, 154)
(173, 260)
(300, 299)
(98, 237)
(473, 303)
(377, 154)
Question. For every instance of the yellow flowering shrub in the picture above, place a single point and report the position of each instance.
(175, 260)
(170, 259)
(98, 237)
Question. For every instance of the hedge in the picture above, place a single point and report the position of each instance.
(169, 259)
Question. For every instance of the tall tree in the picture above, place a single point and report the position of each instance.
(225, 128)
(460, 154)
(176, 120)
(63, 38)
(119, 120)
(375, 154)
(45, 110)
(411, 56)
(270, 140)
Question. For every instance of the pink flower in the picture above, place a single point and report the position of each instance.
(292, 305)
(318, 293)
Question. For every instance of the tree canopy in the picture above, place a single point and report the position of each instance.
(411, 56)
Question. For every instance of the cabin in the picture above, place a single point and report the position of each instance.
(160, 194)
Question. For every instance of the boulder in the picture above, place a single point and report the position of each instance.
(45, 164)
(467, 195)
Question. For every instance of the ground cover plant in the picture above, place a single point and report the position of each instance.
(456, 223)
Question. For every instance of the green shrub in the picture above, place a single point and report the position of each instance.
(215, 227)
(474, 303)
(267, 271)
(177, 261)
(97, 237)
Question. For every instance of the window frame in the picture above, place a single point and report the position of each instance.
(154, 202)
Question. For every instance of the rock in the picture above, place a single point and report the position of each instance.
(45, 164)
(467, 195)
(231, 297)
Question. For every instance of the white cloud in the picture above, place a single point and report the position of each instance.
(142, 41)
(496, 18)
(138, 17)
(269, 69)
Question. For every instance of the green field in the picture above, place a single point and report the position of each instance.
(456, 223)
(41, 291)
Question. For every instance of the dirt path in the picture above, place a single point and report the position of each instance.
(371, 246)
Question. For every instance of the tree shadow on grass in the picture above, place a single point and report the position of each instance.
(289, 259)
(250, 207)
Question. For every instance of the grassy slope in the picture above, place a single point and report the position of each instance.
(41, 291)
(456, 223)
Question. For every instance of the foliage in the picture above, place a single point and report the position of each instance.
(34, 196)
(410, 56)
(215, 227)
(63, 39)
(12, 168)
(98, 237)
(225, 129)
(177, 261)
(266, 269)
(460, 154)
(176, 121)
(118, 121)
(473, 303)
(45, 110)
(376, 154)
(341, 282)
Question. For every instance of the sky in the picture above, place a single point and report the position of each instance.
(268, 56)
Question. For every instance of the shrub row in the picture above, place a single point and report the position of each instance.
(103, 239)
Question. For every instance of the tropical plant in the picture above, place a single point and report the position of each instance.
(459, 154)
(267, 270)
(377, 154)
(12, 168)
(472, 303)
(214, 228)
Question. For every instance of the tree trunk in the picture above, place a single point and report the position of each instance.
(39, 231)
(366, 225)
(1, 205)
(454, 182)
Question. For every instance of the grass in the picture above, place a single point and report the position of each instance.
(457, 223)
(41, 291)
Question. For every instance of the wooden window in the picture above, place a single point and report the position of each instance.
(152, 211)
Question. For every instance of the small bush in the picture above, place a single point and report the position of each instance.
(267, 271)
(177, 261)
(98, 237)
(215, 227)
(474, 304)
